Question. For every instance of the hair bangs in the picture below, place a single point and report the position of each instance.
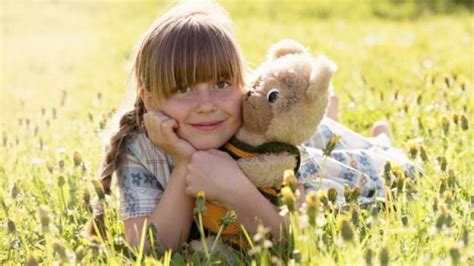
(198, 53)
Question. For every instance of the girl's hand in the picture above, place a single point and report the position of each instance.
(218, 175)
(161, 132)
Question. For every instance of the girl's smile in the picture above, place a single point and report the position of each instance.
(207, 126)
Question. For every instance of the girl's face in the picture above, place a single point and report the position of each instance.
(208, 114)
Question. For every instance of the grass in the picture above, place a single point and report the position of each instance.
(64, 70)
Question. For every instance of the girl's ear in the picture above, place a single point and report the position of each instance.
(146, 99)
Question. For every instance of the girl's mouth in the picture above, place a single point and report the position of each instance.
(207, 126)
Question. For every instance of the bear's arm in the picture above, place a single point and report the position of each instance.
(266, 170)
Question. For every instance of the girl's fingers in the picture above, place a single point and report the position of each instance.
(168, 127)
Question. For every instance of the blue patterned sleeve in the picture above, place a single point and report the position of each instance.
(139, 190)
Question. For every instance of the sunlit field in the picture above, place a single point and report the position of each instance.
(64, 72)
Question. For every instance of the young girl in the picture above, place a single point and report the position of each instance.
(189, 75)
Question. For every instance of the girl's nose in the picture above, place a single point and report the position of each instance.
(205, 102)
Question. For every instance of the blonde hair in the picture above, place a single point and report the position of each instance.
(189, 44)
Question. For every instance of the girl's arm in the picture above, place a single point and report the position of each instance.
(219, 176)
(172, 216)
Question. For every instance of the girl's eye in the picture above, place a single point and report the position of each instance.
(222, 84)
(272, 95)
(182, 90)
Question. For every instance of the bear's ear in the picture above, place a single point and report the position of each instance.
(285, 47)
(322, 70)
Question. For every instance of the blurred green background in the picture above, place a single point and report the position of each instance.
(65, 66)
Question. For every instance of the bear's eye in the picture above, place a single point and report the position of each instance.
(272, 95)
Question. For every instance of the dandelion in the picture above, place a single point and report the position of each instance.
(448, 197)
(99, 189)
(442, 186)
(443, 163)
(228, 219)
(347, 193)
(15, 191)
(91, 117)
(355, 193)
(455, 255)
(464, 123)
(452, 182)
(289, 179)
(456, 119)
(419, 99)
(80, 253)
(77, 157)
(288, 198)
(44, 215)
(413, 150)
(312, 203)
(346, 230)
(61, 165)
(423, 154)
(384, 257)
(31, 261)
(43, 111)
(405, 220)
(200, 205)
(323, 198)
(332, 195)
(355, 217)
(465, 235)
(387, 173)
(444, 218)
(60, 250)
(368, 256)
(86, 197)
(61, 181)
(49, 166)
(11, 227)
(447, 81)
(445, 124)
(331, 145)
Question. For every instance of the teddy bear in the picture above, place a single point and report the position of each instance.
(286, 99)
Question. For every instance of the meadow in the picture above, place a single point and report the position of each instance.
(64, 72)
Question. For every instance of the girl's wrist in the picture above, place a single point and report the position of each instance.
(234, 197)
